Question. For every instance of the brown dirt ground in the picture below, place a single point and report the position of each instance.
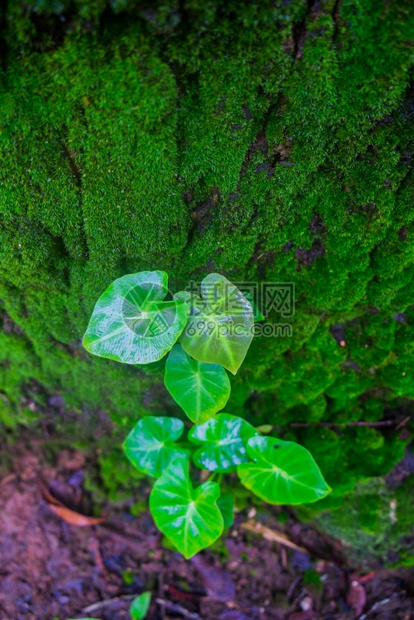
(50, 569)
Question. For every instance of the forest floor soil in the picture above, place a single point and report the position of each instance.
(57, 564)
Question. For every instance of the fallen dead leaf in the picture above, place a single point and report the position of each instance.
(74, 518)
(68, 515)
(50, 499)
(271, 535)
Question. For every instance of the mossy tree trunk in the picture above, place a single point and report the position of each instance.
(268, 141)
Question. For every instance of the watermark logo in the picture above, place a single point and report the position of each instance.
(207, 328)
(219, 308)
(279, 297)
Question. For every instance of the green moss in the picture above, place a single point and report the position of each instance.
(267, 141)
(375, 522)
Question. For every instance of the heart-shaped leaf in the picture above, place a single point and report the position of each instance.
(220, 326)
(140, 605)
(226, 505)
(200, 389)
(132, 324)
(150, 445)
(189, 517)
(283, 472)
(223, 442)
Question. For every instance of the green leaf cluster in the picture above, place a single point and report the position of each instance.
(128, 318)
(279, 472)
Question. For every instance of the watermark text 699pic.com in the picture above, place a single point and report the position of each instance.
(218, 307)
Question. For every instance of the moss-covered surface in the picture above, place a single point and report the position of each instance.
(269, 141)
(375, 523)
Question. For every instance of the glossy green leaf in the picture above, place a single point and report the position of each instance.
(150, 445)
(187, 516)
(200, 389)
(220, 326)
(283, 472)
(223, 442)
(132, 324)
(140, 605)
(226, 505)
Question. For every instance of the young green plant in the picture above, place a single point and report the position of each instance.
(204, 335)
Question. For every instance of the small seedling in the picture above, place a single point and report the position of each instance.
(140, 605)
(204, 335)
